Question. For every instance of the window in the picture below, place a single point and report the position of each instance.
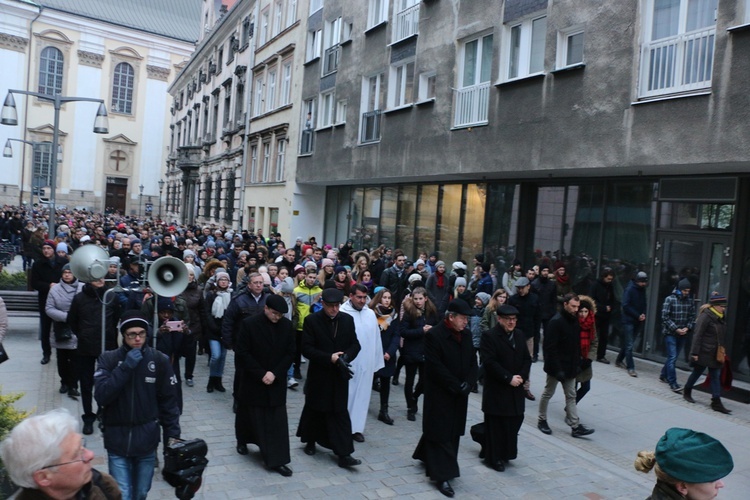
(401, 84)
(253, 163)
(196, 124)
(264, 26)
(472, 98)
(315, 5)
(314, 44)
(678, 48)
(246, 30)
(122, 89)
(206, 131)
(308, 127)
(217, 199)
(215, 117)
(258, 100)
(271, 90)
(346, 33)
(526, 42)
(332, 50)
(220, 59)
(570, 48)
(341, 112)
(280, 155)
(207, 206)
(239, 104)
(266, 161)
(227, 105)
(229, 200)
(327, 109)
(377, 12)
(278, 14)
(291, 12)
(42, 166)
(427, 83)
(405, 19)
(372, 100)
(50, 71)
(286, 83)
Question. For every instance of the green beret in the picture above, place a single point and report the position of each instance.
(693, 457)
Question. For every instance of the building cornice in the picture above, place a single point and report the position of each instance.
(157, 73)
(12, 42)
(90, 59)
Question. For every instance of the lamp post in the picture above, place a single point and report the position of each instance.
(140, 199)
(9, 116)
(8, 153)
(161, 188)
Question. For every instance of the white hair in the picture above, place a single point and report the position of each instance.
(36, 443)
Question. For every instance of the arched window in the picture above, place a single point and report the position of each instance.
(122, 89)
(51, 71)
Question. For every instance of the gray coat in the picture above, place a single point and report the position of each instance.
(58, 304)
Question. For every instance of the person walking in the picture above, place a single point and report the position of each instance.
(587, 321)
(708, 350)
(602, 291)
(62, 339)
(677, 321)
(633, 319)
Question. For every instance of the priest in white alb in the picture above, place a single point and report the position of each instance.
(368, 361)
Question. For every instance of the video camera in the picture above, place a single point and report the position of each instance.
(184, 463)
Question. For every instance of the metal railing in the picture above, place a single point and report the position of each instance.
(678, 64)
(371, 126)
(472, 105)
(406, 23)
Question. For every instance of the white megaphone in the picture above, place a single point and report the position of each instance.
(167, 276)
(89, 263)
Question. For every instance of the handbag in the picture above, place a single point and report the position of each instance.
(721, 354)
(3, 354)
(63, 333)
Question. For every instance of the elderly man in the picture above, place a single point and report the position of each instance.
(47, 457)
(450, 373)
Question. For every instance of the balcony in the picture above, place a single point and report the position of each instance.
(370, 126)
(681, 63)
(189, 157)
(472, 104)
(406, 23)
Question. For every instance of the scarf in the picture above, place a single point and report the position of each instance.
(717, 313)
(440, 279)
(563, 280)
(587, 334)
(385, 316)
(221, 303)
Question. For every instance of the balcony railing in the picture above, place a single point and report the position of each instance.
(371, 126)
(331, 59)
(406, 23)
(678, 64)
(472, 104)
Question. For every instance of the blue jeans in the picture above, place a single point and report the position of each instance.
(626, 349)
(218, 358)
(715, 374)
(133, 474)
(674, 344)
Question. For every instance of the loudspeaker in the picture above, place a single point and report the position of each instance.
(89, 263)
(167, 276)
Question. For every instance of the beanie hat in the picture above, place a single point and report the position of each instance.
(287, 286)
(48, 243)
(693, 457)
(326, 262)
(340, 269)
(641, 277)
(132, 318)
(331, 254)
(484, 297)
(188, 253)
(133, 241)
(458, 265)
(165, 304)
(718, 300)
(66, 267)
(85, 239)
(418, 261)
(62, 247)
(439, 263)
(459, 282)
(114, 260)
(266, 279)
(683, 284)
(415, 277)
(221, 274)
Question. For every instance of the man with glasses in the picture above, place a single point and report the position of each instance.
(136, 387)
(53, 439)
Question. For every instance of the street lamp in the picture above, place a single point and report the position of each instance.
(140, 199)
(9, 116)
(8, 153)
(161, 188)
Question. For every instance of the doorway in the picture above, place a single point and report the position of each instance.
(704, 259)
(117, 189)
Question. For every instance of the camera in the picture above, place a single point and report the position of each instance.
(184, 463)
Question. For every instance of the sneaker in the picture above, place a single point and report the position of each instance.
(619, 364)
(189, 382)
(544, 426)
(675, 388)
(291, 383)
(581, 431)
(632, 373)
(603, 360)
(663, 379)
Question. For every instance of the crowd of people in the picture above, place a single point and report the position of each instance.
(356, 317)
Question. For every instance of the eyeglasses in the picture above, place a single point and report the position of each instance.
(133, 335)
(80, 457)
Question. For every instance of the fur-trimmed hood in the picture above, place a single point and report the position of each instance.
(590, 303)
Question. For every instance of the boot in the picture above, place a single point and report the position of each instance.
(218, 386)
(383, 415)
(687, 395)
(210, 386)
(717, 406)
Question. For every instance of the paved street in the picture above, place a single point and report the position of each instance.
(629, 414)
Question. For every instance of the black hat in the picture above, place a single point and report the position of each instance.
(333, 296)
(459, 306)
(684, 284)
(277, 303)
(133, 318)
(507, 310)
(165, 304)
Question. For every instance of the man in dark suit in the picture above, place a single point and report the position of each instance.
(450, 373)
(328, 335)
(264, 352)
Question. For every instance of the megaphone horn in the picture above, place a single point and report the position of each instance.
(89, 263)
(168, 276)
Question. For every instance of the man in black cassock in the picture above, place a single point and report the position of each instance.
(450, 373)
(328, 335)
(264, 351)
(506, 361)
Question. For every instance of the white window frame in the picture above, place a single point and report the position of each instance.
(398, 80)
(371, 105)
(253, 163)
(341, 107)
(563, 47)
(286, 83)
(258, 95)
(271, 89)
(315, 6)
(280, 159)
(525, 49)
(314, 45)
(291, 12)
(265, 25)
(471, 99)
(307, 130)
(425, 94)
(265, 170)
(405, 19)
(331, 40)
(377, 13)
(278, 18)
(326, 109)
(657, 55)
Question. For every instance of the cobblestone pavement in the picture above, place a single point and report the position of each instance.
(629, 414)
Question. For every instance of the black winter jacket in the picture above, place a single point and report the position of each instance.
(136, 401)
(85, 319)
(562, 346)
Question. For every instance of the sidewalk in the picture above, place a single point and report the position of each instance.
(629, 414)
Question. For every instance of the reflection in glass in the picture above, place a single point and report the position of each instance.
(704, 216)
(471, 242)
(407, 211)
(450, 218)
(427, 218)
(501, 221)
(388, 214)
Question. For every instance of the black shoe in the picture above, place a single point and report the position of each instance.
(63, 389)
(210, 386)
(535, 359)
(663, 379)
(498, 466)
(385, 418)
(675, 388)
(603, 360)
(88, 428)
(530, 396)
(283, 470)
(475, 389)
(348, 461)
(310, 449)
(45, 360)
(687, 395)
(581, 431)
(358, 437)
(73, 392)
(444, 487)
(376, 384)
(411, 416)
(234, 406)
(218, 386)
(242, 449)
(544, 427)
(297, 374)
(395, 380)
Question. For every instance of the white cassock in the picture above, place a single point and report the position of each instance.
(368, 361)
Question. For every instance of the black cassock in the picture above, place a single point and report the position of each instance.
(261, 419)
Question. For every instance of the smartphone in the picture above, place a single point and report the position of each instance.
(174, 326)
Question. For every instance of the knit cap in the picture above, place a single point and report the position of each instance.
(693, 457)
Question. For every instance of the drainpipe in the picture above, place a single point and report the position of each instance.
(26, 114)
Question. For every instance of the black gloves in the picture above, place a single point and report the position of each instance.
(344, 367)
(464, 388)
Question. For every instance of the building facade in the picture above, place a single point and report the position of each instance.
(122, 52)
(551, 132)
